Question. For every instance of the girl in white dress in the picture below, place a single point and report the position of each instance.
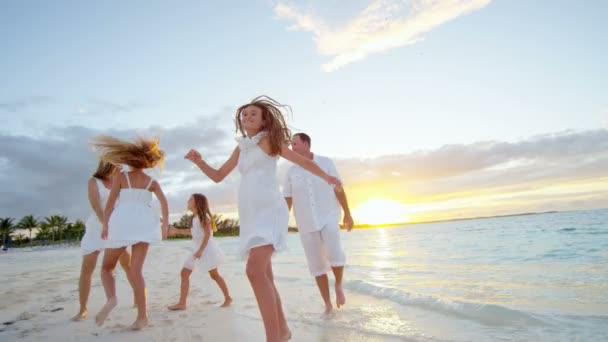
(206, 254)
(262, 209)
(91, 243)
(132, 221)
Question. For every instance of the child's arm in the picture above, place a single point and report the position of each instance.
(94, 199)
(116, 184)
(164, 207)
(307, 164)
(208, 232)
(215, 175)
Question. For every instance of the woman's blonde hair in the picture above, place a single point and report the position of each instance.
(274, 121)
(142, 153)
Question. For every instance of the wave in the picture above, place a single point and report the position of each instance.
(487, 314)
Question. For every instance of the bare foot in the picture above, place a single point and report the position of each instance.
(105, 311)
(286, 336)
(328, 312)
(139, 324)
(340, 299)
(177, 307)
(227, 302)
(81, 316)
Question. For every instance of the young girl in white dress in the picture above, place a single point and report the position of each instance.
(262, 209)
(132, 221)
(206, 254)
(92, 243)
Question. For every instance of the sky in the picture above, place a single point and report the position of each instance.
(430, 109)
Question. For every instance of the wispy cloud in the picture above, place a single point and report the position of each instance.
(17, 105)
(381, 26)
(558, 171)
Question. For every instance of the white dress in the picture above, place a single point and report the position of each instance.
(212, 256)
(133, 219)
(263, 213)
(92, 241)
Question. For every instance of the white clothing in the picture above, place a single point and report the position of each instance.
(91, 240)
(212, 255)
(263, 213)
(133, 219)
(314, 202)
(323, 249)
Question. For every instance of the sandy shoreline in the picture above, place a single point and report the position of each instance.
(41, 295)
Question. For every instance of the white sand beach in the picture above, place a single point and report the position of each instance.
(41, 294)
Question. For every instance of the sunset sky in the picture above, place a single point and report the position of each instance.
(431, 109)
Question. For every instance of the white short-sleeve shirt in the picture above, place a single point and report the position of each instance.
(314, 201)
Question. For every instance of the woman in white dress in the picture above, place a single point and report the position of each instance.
(205, 254)
(92, 243)
(263, 214)
(132, 221)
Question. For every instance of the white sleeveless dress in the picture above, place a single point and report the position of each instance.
(134, 219)
(263, 213)
(212, 256)
(92, 241)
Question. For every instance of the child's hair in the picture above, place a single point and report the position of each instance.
(105, 170)
(201, 210)
(274, 121)
(142, 153)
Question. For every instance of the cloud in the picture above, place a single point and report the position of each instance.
(382, 25)
(547, 171)
(17, 105)
(100, 106)
(47, 175)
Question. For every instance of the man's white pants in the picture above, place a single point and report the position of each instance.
(323, 249)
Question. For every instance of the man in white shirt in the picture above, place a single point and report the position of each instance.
(316, 207)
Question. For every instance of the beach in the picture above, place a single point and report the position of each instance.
(536, 277)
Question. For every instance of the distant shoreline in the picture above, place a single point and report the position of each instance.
(368, 226)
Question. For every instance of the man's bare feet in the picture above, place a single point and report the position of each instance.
(328, 312)
(177, 307)
(105, 311)
(139, 324)
(81, 316)
(226, 303)
(340, 298)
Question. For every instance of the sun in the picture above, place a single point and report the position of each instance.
(379, 211)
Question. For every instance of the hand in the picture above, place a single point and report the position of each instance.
(198, 254)
(348, 223)
(333, 181)
(193, 156)
(104, 233)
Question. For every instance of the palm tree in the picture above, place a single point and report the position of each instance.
(6, 228)
(57, 224)
(75, 230)
(184, 222)
(28, 222)
(19, 237)
(43, 231)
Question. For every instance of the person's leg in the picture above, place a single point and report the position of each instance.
(337, 259)
(139, 252)
(89, 262)
(265, 294)
(110, 259)
(215, 275)
(284, 332)
(184, 289)
(125, 263)
(318, 265)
